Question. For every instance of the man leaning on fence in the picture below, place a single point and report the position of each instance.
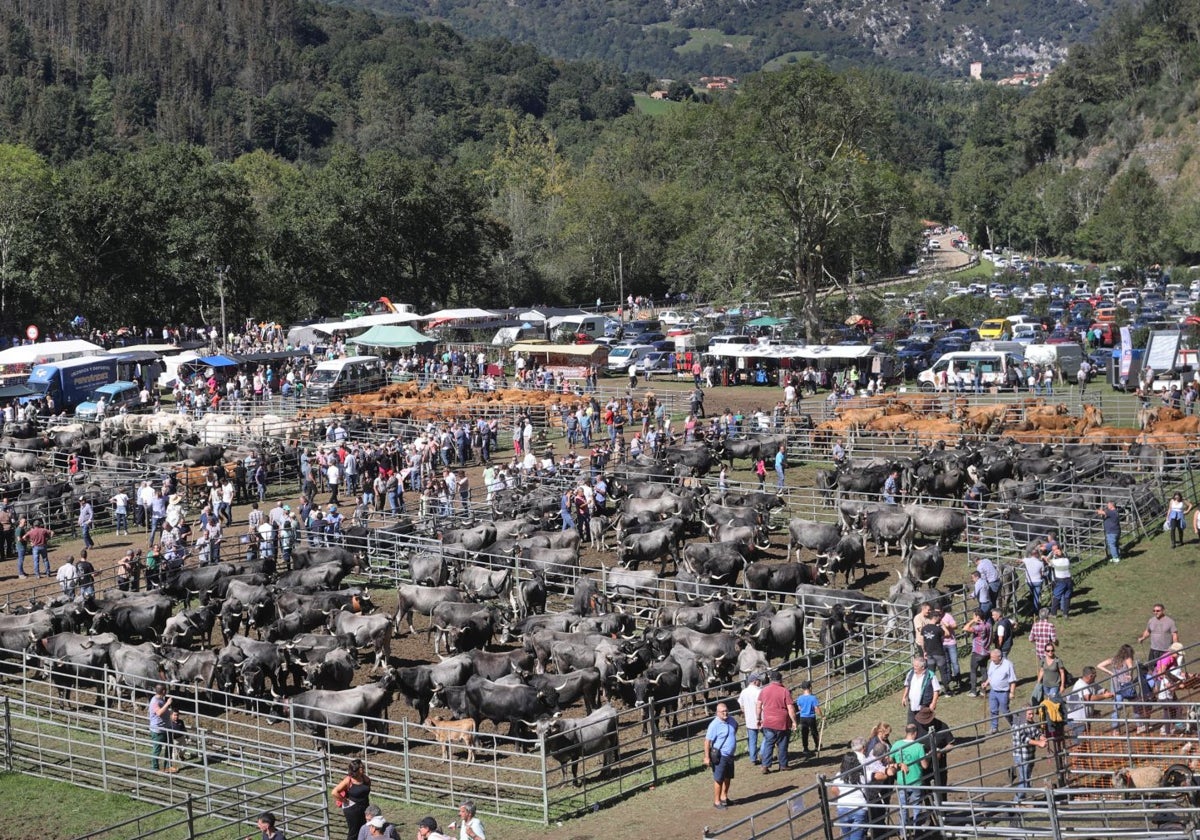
(159, 708)
(910, 761)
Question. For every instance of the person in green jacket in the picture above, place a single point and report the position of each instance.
(910, 759)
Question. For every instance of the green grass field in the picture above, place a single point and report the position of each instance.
(701, 38)
(654, 107)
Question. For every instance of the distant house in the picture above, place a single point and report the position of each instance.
(658, 94)
(718, 82)
(1023, 80)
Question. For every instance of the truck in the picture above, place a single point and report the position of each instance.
(71, 381)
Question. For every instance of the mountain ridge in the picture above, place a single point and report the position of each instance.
(937, 37)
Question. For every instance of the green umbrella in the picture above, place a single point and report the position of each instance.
(765, 321)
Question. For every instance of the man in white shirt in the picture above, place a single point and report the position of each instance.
(1034, 566)
(1078, 700)
(66, 578)
(748, 702)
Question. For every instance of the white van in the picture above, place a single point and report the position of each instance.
(621, 357)
(572, 326)
(960, 366)
(351, 375)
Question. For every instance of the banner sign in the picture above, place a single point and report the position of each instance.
(1126, 352)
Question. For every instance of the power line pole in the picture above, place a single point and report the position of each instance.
(222, 273)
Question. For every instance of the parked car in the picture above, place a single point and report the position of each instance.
(995, 329)
(1029, 333)
(1063, 336)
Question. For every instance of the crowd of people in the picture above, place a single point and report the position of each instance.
(1059, 709)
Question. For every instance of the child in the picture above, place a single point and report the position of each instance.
(808, 710)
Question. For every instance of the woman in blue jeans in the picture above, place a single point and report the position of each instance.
(851, 801)
(1123, 668)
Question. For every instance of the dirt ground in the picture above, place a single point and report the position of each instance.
(679, 809)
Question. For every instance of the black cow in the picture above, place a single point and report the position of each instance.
(660, 545)
(518, 705)
(781, 579)
(925, 566)
(719, 562)
(777, 635)
(576, 740)
(294, 623)
(583, 684)
(835, 630)
(422, 599)
(844, 558)
(533, 595)
(142, 618)
(317, 710)
(656, 692)
(421, 683)
(189, 627)
(324, 576)
(334, 671)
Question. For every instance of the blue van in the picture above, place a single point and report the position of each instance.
(116, 396)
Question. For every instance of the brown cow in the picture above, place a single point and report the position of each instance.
(448, 732)
(1183, 426)
(982, 418)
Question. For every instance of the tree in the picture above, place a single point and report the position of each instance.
(978, 188)
(25, 194)
(801, 151)
(1129, 222)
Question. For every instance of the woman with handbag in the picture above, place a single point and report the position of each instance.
(1123, 668)
(353, 794)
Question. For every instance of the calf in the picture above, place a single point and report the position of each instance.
(449, 732)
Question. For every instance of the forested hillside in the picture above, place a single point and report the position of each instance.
(689, 38)
(1101, 161)
(285, 76)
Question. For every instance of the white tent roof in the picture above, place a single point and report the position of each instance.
(363, 322)
(382, 319)
(161, 349)
(792, 351)
(458, 314)
(49, 351)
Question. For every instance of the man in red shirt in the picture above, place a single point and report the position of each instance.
(777, 719)
(39, 539)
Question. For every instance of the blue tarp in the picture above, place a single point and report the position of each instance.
(216, 361)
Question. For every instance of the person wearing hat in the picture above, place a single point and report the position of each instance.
(427, 829)
(748, 703)
(1168, 674)
(376, 825)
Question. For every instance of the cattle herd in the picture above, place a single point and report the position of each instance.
(715, 604)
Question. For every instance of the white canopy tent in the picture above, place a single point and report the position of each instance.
(458, 314)
(364, 322)
(49, 351)
(791, 351)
